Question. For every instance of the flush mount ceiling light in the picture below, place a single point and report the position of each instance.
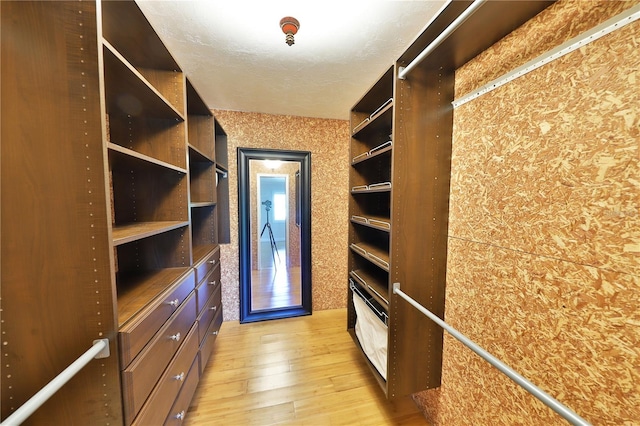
(290, 27)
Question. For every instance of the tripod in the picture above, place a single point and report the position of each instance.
(274, 248)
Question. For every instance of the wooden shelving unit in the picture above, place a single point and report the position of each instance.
(222, 169)
(415, 117)
(202, 175)
(114, 156)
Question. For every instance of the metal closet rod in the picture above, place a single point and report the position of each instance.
(597, 32)
(99, 349)
(403, 71)
(564, 411)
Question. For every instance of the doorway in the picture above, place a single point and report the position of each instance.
(275, 234)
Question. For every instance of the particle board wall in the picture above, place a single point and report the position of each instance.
(328, 142)
(544, 233)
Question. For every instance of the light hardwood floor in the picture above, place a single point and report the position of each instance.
(275, 288)
(297, 371)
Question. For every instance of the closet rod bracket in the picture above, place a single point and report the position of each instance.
(104, 353)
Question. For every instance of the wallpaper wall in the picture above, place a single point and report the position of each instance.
(328, 142)
(544, 233)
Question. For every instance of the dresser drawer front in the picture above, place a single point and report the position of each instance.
(207, 346)
(135, 334)
(207, 287)
(139, 378)
(207, 264)
(157, 407)
(214, 304)
(179, 410)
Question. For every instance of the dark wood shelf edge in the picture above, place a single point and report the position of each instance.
(374, 289)
(377, 252)
(360, 127)
(371, 191)
(199, 204)
(200, 156)
(134, 285)
(372, 156)
(128, 233)
(369, 225)
(202, 251)
(113, 147)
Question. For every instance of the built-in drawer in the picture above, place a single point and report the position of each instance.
(139, 378)
(157, 407)
(206, 347)
(207, 264)
(213, 305)
(206, 288)
(179, 410)
(137, 332)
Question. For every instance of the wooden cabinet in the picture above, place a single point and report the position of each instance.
(400, 174)
(380, 176)
(114, 176)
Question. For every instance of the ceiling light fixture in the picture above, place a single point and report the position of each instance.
(290, 27)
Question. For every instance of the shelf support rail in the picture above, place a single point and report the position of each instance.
(564, 411)
(403, 71)
(619, 21)
(99, 349)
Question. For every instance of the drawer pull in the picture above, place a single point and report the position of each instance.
(180, 415)
(175, 337)
(213, 262)
(213, 308)
(174, 303)
(179, 377)
(212, 282)
(215, 333)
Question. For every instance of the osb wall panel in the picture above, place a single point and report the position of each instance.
(559, 24)
(559, 159)
(544, 233)
(569, 328)
(328, 142)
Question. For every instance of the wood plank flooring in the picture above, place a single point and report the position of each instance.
(276, 288)
(296, 371)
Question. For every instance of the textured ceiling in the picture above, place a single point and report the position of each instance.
(236, 56)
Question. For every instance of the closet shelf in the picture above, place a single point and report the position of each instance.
(372, 253)
(196, 155)
(376, 152)
(130, 92)
(380, 123)
(374, 286)
(374, 187)
(376, 222)
(137, 289)
(127, 233)
(387, 106)
(198, 204)
(201, 251)
(126, 154)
